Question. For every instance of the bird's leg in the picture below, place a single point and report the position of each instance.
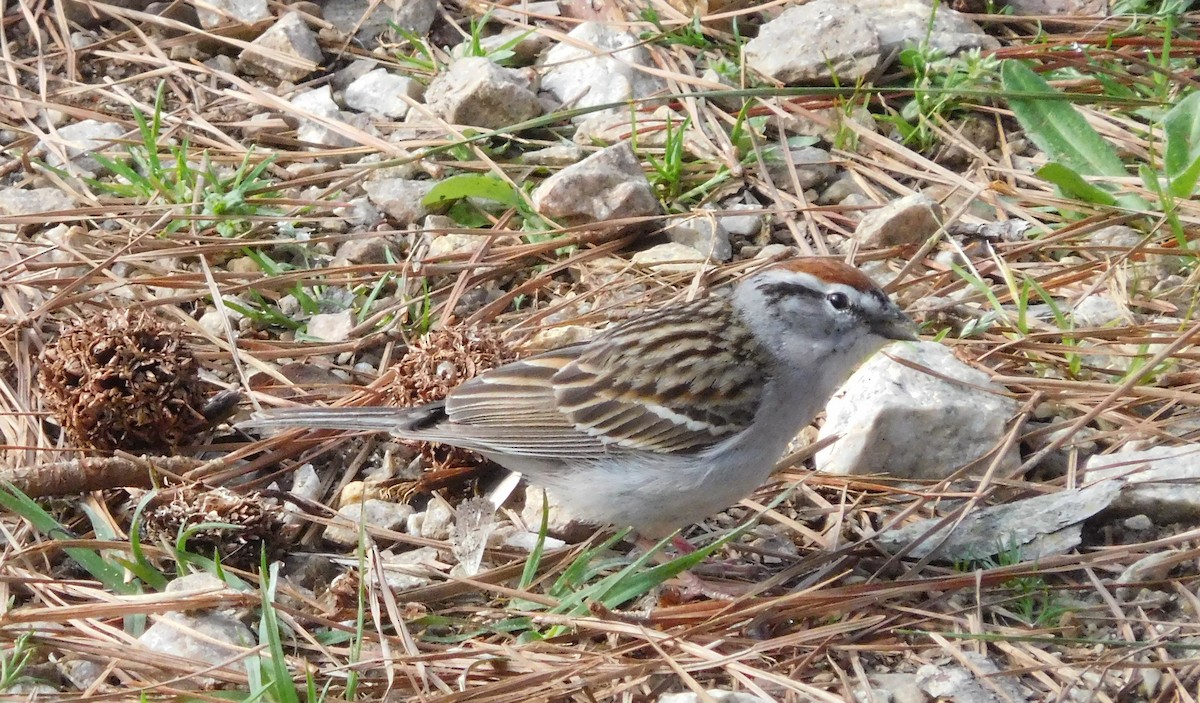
(692, 586)
(729, 567)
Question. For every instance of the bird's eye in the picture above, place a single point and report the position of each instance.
(839, 301)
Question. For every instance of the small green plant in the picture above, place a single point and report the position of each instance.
(502, 54)
(1031, 599)
(268, 674)
(1077, 152)
(227, 202)
(419, 57)
(690, 34)
(13, 661)
(939, 83)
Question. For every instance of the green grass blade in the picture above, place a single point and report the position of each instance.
(472, 185)
(1074, 185)
(1181, 154)
(104, 571)
(1054, 124)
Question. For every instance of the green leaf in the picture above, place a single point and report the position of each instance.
(104, 571)
(1181, 155)
(1073, 185)
(472, 185)
(1054, 124)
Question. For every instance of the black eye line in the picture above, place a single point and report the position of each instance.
(780, 290)
(775, 292)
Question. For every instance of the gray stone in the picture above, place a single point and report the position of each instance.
(983, 682)
(19, 201)
(1098, 310)
(214, 13)
(399, 198)
(813, 167)
(1082, 8)
(670, 258)
(814, 43)
(369, 20)
(80, 140)
(559, 522)
(90, 14)
(331, 326)
(1159, 481)
(512, 47)
(1040, 527)
(434, 522)
(840, 189)
(477, 92)
(381, 94)
(359, 212)
(363, 249)
(909, 220)
(1118, 238)
(206, 639)
(597, 65)
(916, 424)
(904, 24)
(557, 155)
(319, 103)
(412, 569)
(288, 50)
(605, 186)
(715, 694)
(702, 232)
(749, 225)
(1138, 523)
(373, 513)
(902, 688)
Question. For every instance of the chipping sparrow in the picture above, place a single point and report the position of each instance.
(666, 418)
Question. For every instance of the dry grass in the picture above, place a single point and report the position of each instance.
(824, 620)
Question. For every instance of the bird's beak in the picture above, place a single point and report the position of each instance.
(895, 325)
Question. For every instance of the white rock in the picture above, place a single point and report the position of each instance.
(670, 258)
(369, 20)
(909, 220)
(399, 198)
(814, 166)
(716, 694)
(966, 685)
(454, 243)
(477, 92)
(1098, 310)
(214, 13)
(607, 185)
(703, 232)
(597, 65)
(526, 541)
(903, 422)
(381, 93)
(904, 24)
(19, 201)
(288, 50)
(559, 523)
(435, 520)
(205, 639)
(331, 326)
(557, 155)
(749, 225)
(814, 43)
(412, 569)
(319, 103)
(82, 139)
(1160, 481)
(374, 513)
